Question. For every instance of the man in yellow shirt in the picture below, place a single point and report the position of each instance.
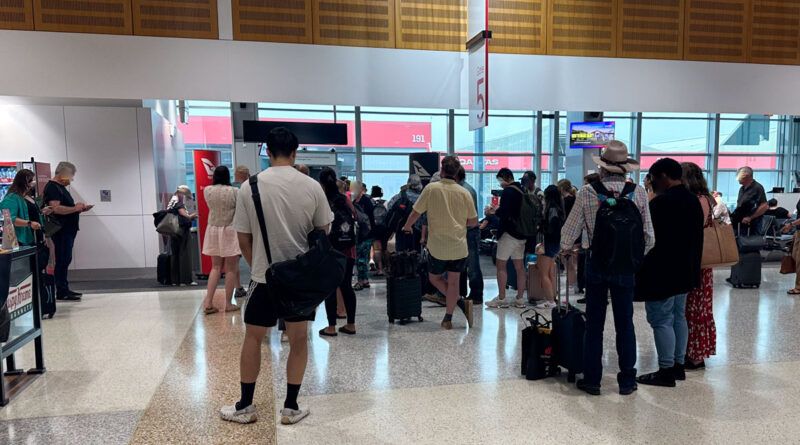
(450, 211)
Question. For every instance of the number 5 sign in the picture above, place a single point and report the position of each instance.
(478, 81)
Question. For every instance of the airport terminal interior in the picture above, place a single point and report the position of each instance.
(130, 109)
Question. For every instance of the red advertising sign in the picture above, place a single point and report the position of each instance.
(205, 161)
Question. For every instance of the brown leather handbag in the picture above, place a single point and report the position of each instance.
(719, 243)
(788, 265)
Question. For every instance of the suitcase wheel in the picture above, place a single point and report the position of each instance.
(758, 286)
(420, 318)
(404, 321)
(391, 320)
(571, 377)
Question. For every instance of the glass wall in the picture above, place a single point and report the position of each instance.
(719, 144)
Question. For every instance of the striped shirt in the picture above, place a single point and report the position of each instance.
(584, 213)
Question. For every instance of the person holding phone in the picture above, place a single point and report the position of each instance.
(67, 213)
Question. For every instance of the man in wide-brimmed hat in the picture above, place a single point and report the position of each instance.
(614, 164)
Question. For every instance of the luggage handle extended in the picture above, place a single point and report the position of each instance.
(558, 281)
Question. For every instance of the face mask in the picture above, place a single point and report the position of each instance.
(502, 183)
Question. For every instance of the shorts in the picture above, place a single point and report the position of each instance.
(510, 247)
(551, 250)
(262, 309)
(438, 267)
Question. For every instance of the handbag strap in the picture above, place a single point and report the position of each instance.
(709, 220)
(262, 223)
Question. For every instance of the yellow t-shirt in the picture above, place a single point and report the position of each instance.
(449, 206)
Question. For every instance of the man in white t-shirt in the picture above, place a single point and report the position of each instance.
(293, 205)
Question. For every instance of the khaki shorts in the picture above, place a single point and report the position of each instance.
(509, 247)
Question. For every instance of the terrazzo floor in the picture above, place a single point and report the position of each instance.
(115, 361)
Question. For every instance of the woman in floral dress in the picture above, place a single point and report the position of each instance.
(699, 316)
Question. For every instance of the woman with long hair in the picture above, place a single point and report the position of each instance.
(554, 217)
(220, 241)
(339, 202)
(26, 224)
(699, 302)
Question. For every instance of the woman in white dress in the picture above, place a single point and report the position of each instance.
(220, 241)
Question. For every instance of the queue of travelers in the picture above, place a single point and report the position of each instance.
(661, 266)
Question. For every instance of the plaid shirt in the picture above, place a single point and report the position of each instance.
(584, 213)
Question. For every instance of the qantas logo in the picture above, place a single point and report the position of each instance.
(420, 170)
(208, 165)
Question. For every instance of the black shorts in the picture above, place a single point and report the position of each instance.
(438, 267)
(262, 309)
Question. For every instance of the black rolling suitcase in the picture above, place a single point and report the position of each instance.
(569, 326)
(47, 295)
(747, 272)
(163, 270)
(537, 347)
(404, 286)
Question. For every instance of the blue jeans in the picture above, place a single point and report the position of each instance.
(597, 288)
(64, 242)
(474, 264)
(668, 320)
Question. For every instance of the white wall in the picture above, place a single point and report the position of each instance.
(112, 151)
(41, 64)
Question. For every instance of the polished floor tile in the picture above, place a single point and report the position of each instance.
(106, 353)
(203, 377)
(113, 428)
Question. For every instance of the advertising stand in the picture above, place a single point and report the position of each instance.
(20, 319)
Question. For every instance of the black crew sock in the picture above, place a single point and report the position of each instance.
(291, 396)
(460, 304)
(247, 395)
(448, 317)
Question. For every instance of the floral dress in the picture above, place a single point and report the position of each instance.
(699, 316)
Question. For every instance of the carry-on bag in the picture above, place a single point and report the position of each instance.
(47, 295)
(569, 326)
(403, 298)
(747, 272)
(719, 243)
(537, 348)
(163, 274)
(748, 243)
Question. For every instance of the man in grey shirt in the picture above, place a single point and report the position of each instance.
(473, 244)
(752, 202)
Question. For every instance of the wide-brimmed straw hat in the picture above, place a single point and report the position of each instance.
(614, 158)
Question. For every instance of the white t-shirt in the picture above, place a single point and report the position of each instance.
(293, 203)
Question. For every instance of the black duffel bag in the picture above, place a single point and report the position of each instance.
(750, 243)
(301, 284)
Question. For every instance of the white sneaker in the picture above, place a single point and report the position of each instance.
(497, 302)
(520, 303)
(244, 415)
(546, 305)
(291, 416)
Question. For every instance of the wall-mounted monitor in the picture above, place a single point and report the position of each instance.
(590, 134)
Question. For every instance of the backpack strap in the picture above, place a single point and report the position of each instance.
(262, 223)
(628, 190)
(602, 192)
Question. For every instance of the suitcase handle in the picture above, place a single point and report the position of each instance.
(558, 280)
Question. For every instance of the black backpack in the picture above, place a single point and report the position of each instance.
(398, 214)
(343, 227)
(618, 241)
(379, 211)
(529, 222)
(364, 226)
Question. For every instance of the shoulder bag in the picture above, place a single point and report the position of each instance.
(167, 222)
(299, 285)
(719, 243)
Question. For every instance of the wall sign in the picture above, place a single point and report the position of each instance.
(478, 81)
(105, 195)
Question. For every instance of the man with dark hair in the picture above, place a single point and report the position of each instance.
(529, 183)
(450, 211)
(473, 244)
(294, 205)
(775, 210)
(671, 269)
(510, 243)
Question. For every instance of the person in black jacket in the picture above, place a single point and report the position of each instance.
(671, 269)
(510, 244)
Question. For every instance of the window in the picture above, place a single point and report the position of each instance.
(681, 136)
(388, 135)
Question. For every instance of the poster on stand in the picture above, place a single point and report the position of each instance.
(205, 161)
(424, 165)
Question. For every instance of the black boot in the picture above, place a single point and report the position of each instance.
(662, 377)
(679, 372)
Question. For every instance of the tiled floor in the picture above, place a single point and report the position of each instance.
(111, 358)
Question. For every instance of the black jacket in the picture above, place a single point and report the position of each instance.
(510, 204)
(672, 267)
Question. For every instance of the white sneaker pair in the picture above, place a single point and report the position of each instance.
(248, 414)
(546, 304)
(497, 302)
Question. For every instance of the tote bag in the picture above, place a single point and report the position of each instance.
(719, 244)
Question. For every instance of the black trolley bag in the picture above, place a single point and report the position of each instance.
(537, 347)
(404, 287)
(569, 327)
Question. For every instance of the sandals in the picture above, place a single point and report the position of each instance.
(344, 330)
(360, 286)
(325, 334)
(210, 310)
(794, 292)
